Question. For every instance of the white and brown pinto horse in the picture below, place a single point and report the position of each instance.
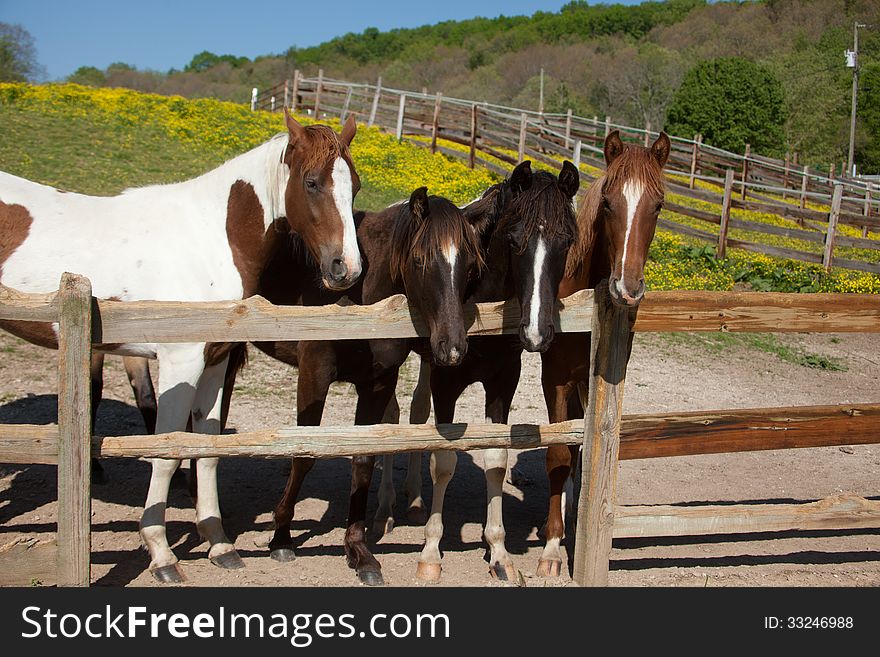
(615, 226)
(204, 239)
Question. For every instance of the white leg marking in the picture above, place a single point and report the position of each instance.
(342, 195)
(442, 468)
(206, 419)
(533, 331)
(180, 367)
(496, 467)
(632, 194)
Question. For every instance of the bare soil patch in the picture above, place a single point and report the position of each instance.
(665, 374)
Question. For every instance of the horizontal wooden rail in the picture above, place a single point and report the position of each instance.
(844, 511)
(255, 319)
(642, 436)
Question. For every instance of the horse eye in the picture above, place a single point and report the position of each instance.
(311, 183)
(659, 207)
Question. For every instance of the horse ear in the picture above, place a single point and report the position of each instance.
(418, 203)
(569, 180)
(613, 147)
(348, 130)
(660, 149)
(294, 129)
(481, 213)
(521, 178)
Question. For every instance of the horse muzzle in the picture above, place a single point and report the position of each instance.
(536, 341)
(339, 275)
(448, 353)
(622, 295)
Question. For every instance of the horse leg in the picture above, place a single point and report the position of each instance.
(442, 467)
(97, 376)
(181, 367)
(562, 395)
(499, 395)
(206, 414)
(419, 412)
(373, 401)
(317, 371)
(383, 521)
(138, 371)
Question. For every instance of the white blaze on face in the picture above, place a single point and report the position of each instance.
(451, 254)
(533, 331)
(342, 196)
(632, 195)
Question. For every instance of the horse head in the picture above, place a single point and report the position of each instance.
(319, 195)
(632, 194)
(435, 252)
(534, 226)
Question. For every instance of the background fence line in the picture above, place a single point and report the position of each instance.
(492, 132)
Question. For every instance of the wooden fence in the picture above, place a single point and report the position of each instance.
(605, 434)
(748, 181)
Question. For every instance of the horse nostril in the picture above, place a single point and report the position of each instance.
(338, 269)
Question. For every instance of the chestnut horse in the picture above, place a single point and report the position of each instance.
(199, 240)
(616, 223)
(533, 228)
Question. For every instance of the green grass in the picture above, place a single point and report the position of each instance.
(767, 343)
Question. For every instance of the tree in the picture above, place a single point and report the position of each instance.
(867, 155)
(89, 76)
(18, 55)
(733, 102)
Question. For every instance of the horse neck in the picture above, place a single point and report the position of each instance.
(495, 282)
(374, 237)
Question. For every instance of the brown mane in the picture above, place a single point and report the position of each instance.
(634, 163)
(424, 241)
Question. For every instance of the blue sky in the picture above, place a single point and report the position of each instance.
(163, 34)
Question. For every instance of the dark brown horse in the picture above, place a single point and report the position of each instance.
(616, 223)
(532, 228)
(425, 248)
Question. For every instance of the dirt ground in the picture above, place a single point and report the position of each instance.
(665, 374)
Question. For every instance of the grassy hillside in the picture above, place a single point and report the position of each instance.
(100, 141)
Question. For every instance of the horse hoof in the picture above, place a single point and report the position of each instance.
(549, 568)
(416, 516)
(503, 572)
(428, 572)
(284, 554)
(170, 574)
(371, 577)
(228, 560)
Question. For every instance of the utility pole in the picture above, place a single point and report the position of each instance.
(852, 61)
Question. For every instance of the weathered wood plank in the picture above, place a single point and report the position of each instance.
(642, 436)
(28, 562)
(15, 305)
(601, 446)
(845, 511)
(74, 430)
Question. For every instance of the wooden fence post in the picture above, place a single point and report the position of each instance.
(435, 124)
(254, 94)
(694, 157)
(472, 152)
(577, 154)
(805, 181)
(287, 93)
(607, 125)
(647, 133)
(523, 126)
(74, 430)
(745, 172)
(318, 91)
(725, 214)
(294, 98)
(401, 108)
(833, 216)
(345, 106)
(785, 175)
(375, 101)
(568, 128)
(867, 208)
(595, 125)
(610, 346)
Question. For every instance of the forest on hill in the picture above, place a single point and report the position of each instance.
(770, 73)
